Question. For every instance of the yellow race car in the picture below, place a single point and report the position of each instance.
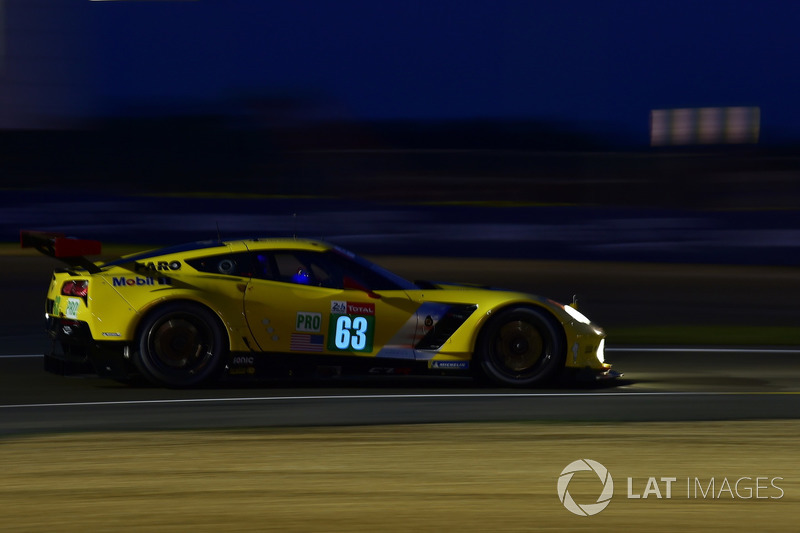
(183, 315)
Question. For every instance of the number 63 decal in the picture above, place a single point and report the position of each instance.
(351, 333)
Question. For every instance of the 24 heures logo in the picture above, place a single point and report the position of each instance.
(665, 487)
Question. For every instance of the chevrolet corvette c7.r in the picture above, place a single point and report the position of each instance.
(183, 315)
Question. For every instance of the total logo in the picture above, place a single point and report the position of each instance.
(665, 487)
(352, 308)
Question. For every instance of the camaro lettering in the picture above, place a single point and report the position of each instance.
(158, 266)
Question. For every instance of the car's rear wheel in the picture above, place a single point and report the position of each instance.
(180, 345)
(521, 347)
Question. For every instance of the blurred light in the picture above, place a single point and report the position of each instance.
(705, 125)
(2, 36)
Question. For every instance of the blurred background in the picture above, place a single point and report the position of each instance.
(625, 130)
(646, 132)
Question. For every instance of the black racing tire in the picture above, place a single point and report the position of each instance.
(521, 347)
(180, 344)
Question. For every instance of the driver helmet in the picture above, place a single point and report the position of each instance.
(301, 276)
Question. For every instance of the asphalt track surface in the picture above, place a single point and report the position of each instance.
(659, 384)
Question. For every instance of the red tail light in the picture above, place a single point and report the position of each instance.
(79, 288)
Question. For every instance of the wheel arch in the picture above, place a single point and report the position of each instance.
(156, 306)
(498, 361)
(180, 343)
(489, 316)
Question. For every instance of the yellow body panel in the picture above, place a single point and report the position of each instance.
(265, 315)
(582, 340)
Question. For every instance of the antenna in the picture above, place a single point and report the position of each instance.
(294, 226)
(219, 236)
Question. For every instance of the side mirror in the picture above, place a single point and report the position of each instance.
(351, 284)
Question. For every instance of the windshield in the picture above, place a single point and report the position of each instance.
(373, 271)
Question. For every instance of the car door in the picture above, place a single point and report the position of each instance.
(307, 302)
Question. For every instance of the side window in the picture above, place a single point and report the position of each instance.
(264, 266)
(239, 264)
(328, 269)
(297, 266)
(288, 265)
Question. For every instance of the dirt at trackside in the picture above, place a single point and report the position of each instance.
(451, 477)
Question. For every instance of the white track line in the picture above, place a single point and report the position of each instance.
(683, 349)
(364, 397)
(661, 349)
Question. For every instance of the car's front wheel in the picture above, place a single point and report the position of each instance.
(180, 345)
(521, 347)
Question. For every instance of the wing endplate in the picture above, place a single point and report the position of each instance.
(70, 250)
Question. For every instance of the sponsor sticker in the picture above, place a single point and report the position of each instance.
(449, 365)
(157, 265)
(138, 281)
(309, 322)
(72, 307)
(357, 308)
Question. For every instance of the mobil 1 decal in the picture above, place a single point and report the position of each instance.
(352, 327)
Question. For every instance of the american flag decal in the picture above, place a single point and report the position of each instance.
(306, 343)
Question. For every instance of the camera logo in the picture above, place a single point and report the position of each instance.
(584, 465)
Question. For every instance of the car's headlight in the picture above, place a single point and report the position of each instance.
(576, 315)
(601, 351)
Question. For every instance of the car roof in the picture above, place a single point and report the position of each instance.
(284, 243)
(254, 244)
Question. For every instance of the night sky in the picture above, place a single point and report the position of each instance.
(605, 62)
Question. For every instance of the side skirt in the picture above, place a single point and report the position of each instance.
(272, 365)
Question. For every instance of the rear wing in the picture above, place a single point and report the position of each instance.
(69, 250)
